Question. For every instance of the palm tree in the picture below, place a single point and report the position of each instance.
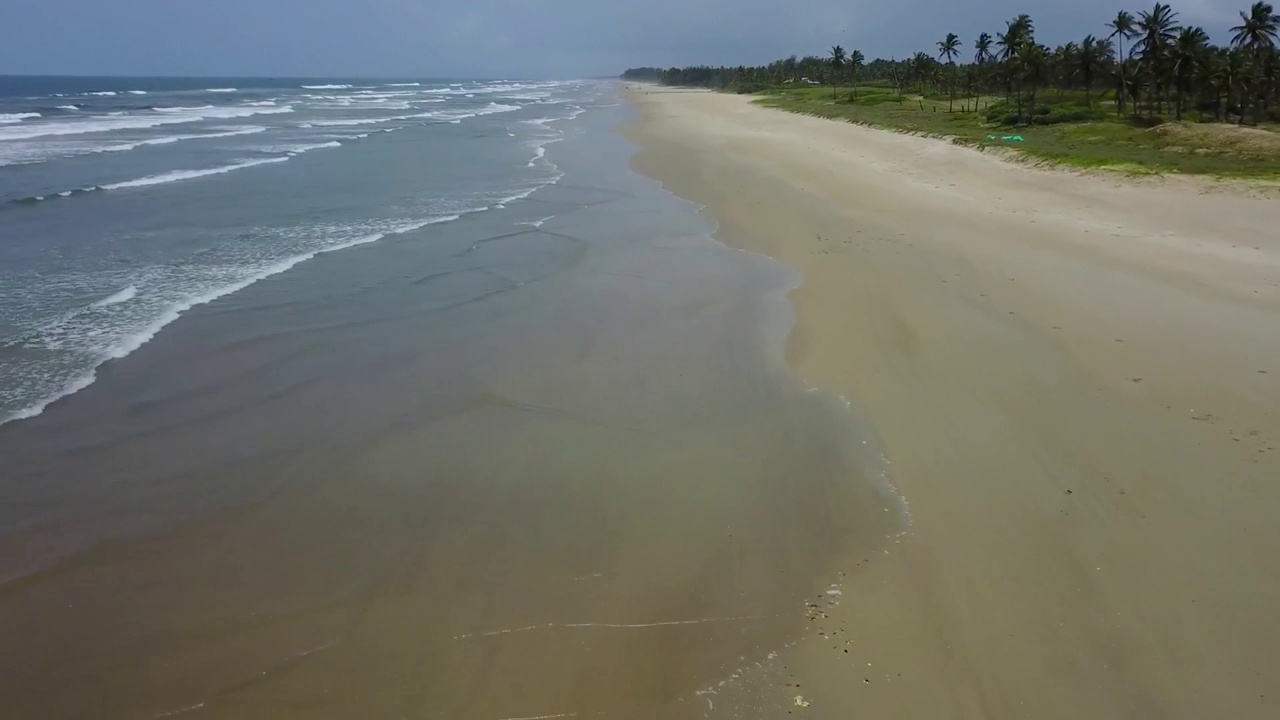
(1156, 32)
(855, 62)
(981, 56)
(837, 58)
(949, 48)
(1016, 32)
(921, 70)
(982, 49)
(1122, 29)
(1187, 54)
(1255, 35)
(1232, 75)
(1089, 62)
(1064, 66)
(1030, 60)
(1024, 26)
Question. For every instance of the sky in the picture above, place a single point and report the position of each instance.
(509, 38)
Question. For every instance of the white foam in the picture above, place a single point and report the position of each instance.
(68, 107)
(359, 121)
(299, 149)
(104, 93)
(181, 109)
(135, 121)
(22, 153)
(178, 138)
(137, 92)
(326, 87)
(126, 345)
(118, 297)
(221, 90)
(404, 84)
(261, 103)
(73, 386)
(179, 175)
(457, 116)
(17, 117)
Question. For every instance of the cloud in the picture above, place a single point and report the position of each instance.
(507, 38)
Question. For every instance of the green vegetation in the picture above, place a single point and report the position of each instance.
(1151, 96)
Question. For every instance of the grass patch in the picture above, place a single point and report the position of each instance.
(1071, 132)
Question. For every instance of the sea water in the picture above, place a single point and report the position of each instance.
(125, 202)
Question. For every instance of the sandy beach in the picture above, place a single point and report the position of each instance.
(546, 460)
(1076, 381)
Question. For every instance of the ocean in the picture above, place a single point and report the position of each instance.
(407, 399)
(127, 202)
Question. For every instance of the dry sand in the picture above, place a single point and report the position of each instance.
(1076, 379)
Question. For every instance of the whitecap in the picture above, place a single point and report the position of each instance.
(134, 121)
(179, 175)
(11, 118)
(168, 139)
(123, 295)
(299, 149)
(326, 87)
(359, 121)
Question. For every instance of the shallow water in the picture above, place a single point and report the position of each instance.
(539, 460)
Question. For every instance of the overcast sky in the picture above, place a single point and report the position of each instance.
(508, 38)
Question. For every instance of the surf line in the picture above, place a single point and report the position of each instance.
(610, 625)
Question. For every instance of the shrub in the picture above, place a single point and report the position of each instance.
(1006, 113)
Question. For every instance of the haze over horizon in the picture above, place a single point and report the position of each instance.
(508, 38)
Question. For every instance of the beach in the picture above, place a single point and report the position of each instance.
(553, 400)
(1075, 381)
(463, 420)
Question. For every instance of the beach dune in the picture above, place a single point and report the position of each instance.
(1076, 381)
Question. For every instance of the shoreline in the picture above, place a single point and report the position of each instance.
(1070, 376)
(546, 460)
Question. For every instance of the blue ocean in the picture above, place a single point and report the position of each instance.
(125, 202)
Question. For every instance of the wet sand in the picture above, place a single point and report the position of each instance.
(544, 461)
(1076, 379)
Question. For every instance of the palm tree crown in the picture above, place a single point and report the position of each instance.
(1258, 29)
(1156, 30)
(1121, 26)
(982, 49)
(949, 48)
(837, 56)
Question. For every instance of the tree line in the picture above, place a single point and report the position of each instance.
(1147, 64)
